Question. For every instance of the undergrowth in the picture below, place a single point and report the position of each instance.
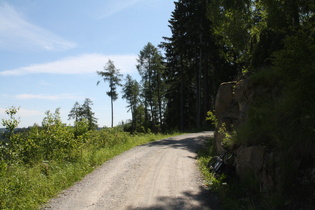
(38, 164)
(29, 186)
(231, 193)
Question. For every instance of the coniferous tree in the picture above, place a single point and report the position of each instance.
(150, 67)
(89, 114)
(131, 92)
(194, 67)
(76, 112)
(84, 112)
(113, 76)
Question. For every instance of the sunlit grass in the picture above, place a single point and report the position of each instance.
(28, 187)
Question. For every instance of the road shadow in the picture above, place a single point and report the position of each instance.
(193, 144)
(188, 200)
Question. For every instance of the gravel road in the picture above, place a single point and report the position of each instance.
(159, 175)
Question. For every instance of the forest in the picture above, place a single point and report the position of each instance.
(269, 42)
(215, 42)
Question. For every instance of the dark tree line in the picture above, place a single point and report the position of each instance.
(194, 67)
(178, 89)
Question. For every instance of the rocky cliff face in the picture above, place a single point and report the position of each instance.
(232, 103)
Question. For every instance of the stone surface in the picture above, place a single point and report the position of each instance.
(242, 95)
(249, 160)
(226, 111)
(231, 106)
(224, 98)
(254, 164)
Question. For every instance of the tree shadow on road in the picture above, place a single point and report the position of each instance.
(204, 200)
(188, 200)
(193, 144)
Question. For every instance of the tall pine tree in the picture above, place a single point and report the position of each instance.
(194, 67)
(113, 76)
(131, 92)
(150, 67)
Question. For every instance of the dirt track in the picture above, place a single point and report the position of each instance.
(158, 175)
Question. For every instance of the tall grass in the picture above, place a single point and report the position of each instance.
(27, 186)
(36, 165)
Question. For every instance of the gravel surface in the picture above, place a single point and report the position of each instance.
(159, 175)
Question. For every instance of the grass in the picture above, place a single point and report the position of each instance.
(231, 194)
(30, 186)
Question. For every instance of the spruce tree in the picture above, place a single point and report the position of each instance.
(194, 67)
(131, 92)
(150, 67)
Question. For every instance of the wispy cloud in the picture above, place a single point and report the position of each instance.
(114, 6)
(24, 112)
(47, 97)
(16, 33)
(82, 64)
(29, 113)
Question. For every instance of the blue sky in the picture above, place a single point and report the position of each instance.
(50, 51)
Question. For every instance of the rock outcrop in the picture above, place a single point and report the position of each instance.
(226, 111)
(260, 161)
(231, 106)
(249, 160)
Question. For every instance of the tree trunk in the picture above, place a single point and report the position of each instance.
(111, 100)
(159, 100)
(181, 95)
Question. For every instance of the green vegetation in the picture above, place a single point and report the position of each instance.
(233, 194)
(131, 91)
(269, 43)
(150, 67)
(83, 113)
(195, 66)
(273, 44)
(37, 164)
(229, 194)
(113, 76)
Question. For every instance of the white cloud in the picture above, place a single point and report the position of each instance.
(27, 117)
(29, 113)
(23, 113)
(16, 33)
(83, 64)
(47, 97)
